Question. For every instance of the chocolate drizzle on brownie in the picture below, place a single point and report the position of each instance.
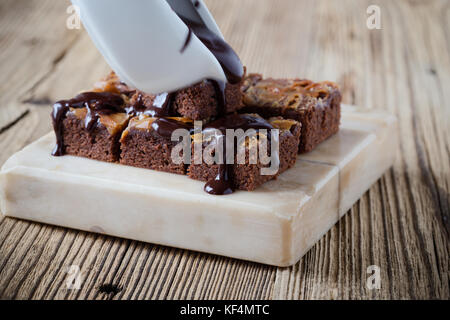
(96, 103)
(164, 127)
(222, 184)
(219, 88)
(161, 105)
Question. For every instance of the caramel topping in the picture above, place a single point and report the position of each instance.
(282, 124)
(80, 113)
(111, 83)
(114, 122)
(284, 93)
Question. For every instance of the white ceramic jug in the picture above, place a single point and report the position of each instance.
(142, 41)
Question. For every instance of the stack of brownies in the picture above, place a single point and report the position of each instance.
(116, 123)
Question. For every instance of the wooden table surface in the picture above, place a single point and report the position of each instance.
(401, 224)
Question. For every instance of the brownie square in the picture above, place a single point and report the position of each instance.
(197, 102)
(247, 176)
(317, 106)
(90, 126)
(200, 101)
(142, 146)
(101, 143)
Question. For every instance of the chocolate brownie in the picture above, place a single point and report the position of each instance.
(116, 123)
(197, 102)
(200, 101)
(146, 143)
(244, 175)
(90, 125)
(315, 105)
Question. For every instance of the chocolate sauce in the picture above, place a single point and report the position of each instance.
(222, 184)
(228, 59)
(239, 121)
(138, 107)
(219, 88)
(188, 40)
(161, 106)
(96, 103)
(164, 127)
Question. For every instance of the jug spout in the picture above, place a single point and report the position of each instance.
(149, 45)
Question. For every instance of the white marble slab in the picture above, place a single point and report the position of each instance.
(365, 145)
(276, 224)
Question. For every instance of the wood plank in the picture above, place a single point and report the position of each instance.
(33, 40)
(379, 248)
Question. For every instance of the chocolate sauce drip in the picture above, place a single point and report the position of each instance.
(228, 59)
(222, 184)
(138, 107)
(188, 40)
(161, 106)
(96, 103)
(164, 127)
(219, 88)
(239, 121)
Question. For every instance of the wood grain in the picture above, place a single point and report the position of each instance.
(401, 224)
